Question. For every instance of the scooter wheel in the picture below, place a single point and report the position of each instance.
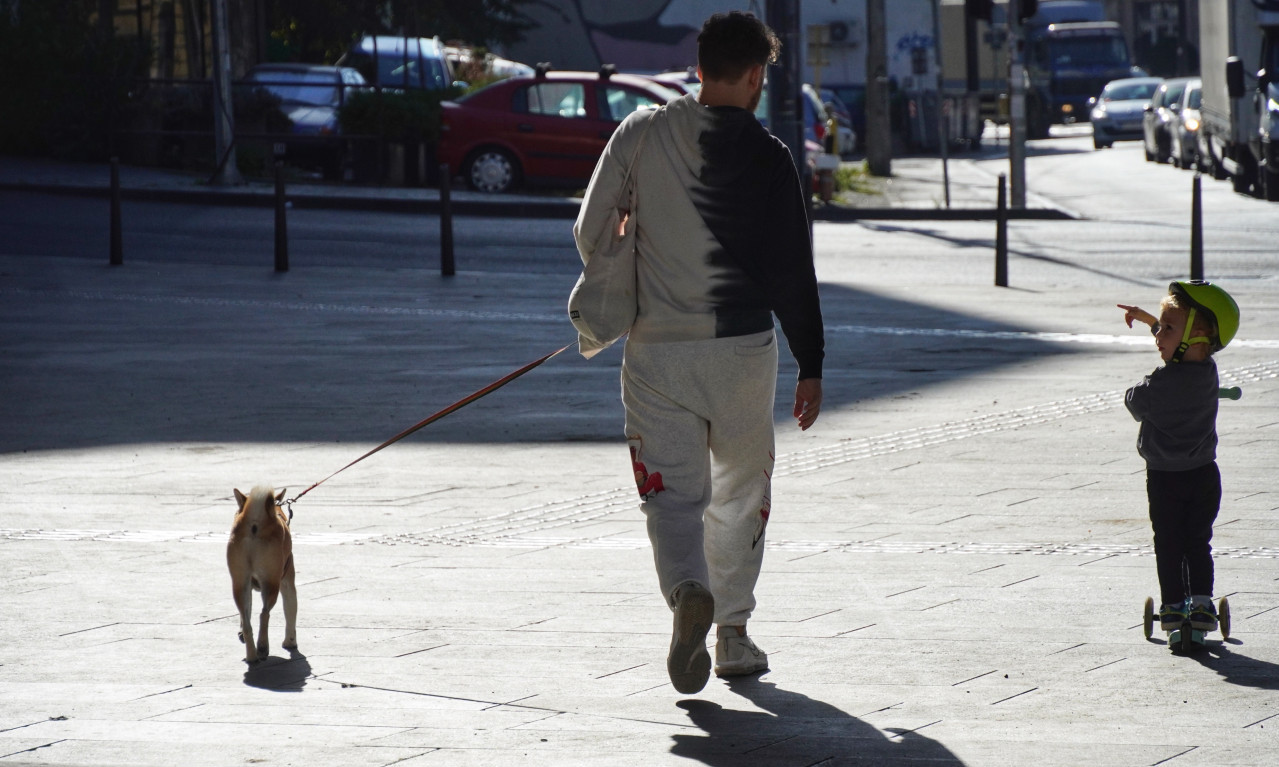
(1148, 618)
(1223, 617)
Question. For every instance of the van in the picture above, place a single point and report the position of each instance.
(389, 61)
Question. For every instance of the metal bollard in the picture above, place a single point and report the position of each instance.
(1001, 235)
(1196, 230)
(281, 221)
(446, 222)
(117, 239)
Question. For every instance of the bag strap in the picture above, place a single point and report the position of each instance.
(635, 157)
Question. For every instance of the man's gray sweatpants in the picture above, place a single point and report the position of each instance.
(699, 422)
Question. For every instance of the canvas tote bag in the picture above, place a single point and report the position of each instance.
(602, 305)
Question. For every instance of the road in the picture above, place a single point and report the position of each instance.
(1133, 225)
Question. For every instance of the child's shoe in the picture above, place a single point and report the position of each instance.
(1203, 616)
(1172, 616)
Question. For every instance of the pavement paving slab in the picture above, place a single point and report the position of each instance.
(954, 576)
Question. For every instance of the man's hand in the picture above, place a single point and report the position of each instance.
(1137, 313)
(808, 401)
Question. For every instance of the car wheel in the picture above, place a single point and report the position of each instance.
(491, 170)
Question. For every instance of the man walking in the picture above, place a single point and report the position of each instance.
(723, 245)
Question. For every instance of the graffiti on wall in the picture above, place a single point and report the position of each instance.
(637, 35)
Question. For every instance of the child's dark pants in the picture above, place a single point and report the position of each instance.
(1183, 506)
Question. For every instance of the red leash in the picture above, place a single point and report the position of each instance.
(503, 381)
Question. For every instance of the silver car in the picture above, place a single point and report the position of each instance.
(1117, 113)
(1184, 129)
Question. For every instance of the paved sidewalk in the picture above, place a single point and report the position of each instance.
(955, 573)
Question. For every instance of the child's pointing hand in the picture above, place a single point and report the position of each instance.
(1137, 313)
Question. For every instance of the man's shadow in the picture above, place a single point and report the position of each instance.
(793, 725)
(280, 674)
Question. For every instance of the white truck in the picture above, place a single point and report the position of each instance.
(1239, 62)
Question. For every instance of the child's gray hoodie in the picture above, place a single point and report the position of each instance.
(1177, 408)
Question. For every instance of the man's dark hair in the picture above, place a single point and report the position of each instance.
(731, 43)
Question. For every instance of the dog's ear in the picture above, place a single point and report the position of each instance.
(279, 497)
(239, 499)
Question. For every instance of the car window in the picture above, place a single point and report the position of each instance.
(1174, 93)
(1130, 92)
(620, 102)
(397, 71)
(1194, 98)
(313, 89)
(555, 99)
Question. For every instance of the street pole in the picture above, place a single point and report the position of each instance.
(1016, 107)
(228, 173)
(943, 125)
(784, 82)
(879, 126)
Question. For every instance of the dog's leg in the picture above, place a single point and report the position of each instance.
(243, 593)
(269, 593)
(288, 590)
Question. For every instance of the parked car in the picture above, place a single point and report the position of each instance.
(681, 81)
(310, 96)
(389, 61)
(1185, 129)
(549, 128)
(1116, 114)
(1159, 115)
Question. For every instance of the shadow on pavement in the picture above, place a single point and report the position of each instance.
(1239, 669)
(126, 362)
(795, 729)
(280, 674)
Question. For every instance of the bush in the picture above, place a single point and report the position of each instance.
(394, 114)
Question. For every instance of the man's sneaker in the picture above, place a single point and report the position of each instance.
(688, 663)
(737, 655)
(1172, 616)
(1203, 617)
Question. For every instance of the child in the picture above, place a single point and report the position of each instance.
(1177, 408)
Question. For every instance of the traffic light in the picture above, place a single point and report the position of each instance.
(980, 9)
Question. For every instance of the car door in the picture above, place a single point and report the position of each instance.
(554, 130)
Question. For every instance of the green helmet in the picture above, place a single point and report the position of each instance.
(1214, 302)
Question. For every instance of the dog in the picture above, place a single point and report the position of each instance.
(259, 555)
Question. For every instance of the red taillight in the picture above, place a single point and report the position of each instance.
(819, 128)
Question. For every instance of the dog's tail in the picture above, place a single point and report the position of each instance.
(259, 506)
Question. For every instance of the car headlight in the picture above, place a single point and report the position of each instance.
(1192, 124)
(1272, 104)
(1098, 113)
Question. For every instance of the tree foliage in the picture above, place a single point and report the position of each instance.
(67, 81)
(321, 30)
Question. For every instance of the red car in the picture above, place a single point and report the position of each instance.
(547, 128)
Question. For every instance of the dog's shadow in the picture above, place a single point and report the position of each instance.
(280, 674)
